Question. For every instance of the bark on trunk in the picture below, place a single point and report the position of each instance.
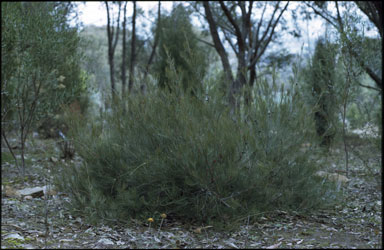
(133, 45)
(112, 42)
(221, 51)
(248, 93)
(123, 63)
(157, 35)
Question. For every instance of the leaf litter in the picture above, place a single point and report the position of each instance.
(355, 224)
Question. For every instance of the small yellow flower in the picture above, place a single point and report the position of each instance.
(150, 220)
(163, 216)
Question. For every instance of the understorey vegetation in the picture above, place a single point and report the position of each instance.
(197, 125)
(190, 158)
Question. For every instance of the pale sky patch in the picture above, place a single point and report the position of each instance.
(94, 13)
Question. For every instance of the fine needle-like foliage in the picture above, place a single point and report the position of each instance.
(321, 82)
(176, 153)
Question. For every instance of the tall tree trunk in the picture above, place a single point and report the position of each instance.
(240, 33)
(112, 42)
(252, 79)
(241, 78)
(133, 45)
(157, 35)
(124, 45)
(221, 51)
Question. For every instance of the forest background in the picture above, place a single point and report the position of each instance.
(200, 111)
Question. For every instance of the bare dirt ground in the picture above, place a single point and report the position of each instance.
(46, 223)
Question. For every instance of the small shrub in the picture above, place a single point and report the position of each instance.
(190, 159)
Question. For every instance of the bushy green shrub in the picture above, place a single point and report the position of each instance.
(189, 158)
(322, 81)
(181, 53)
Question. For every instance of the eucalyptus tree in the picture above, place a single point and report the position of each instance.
(350, 28)
(133, 49)
(124, 52)
(113, 37)
(248, 32)
(374, 11)
(154, 46)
